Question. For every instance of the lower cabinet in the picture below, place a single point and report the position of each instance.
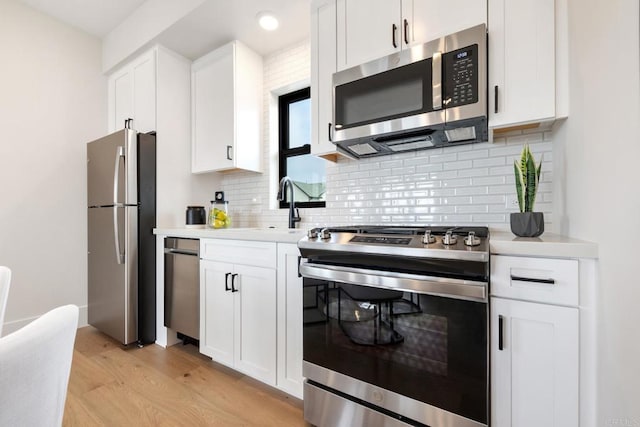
(289, 320)
(535, 348)
(251, 310)
(238, 317)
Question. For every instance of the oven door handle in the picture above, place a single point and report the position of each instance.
(441, 286)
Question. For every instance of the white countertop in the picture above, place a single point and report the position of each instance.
(501, 242)
(547, 245)
(282, 235)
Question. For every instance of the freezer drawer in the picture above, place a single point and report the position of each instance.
(182, 286)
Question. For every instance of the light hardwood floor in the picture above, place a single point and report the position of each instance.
(113, 385)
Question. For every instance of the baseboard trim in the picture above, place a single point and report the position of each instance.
(14, 325)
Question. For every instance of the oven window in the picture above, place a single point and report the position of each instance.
(384, 96)
(432, 349)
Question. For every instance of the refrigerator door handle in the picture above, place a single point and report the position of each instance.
(116, 236)
(116, 185)
(116, 173)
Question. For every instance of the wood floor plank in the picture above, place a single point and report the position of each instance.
(231, 393)
(86, 375)
(114, 385)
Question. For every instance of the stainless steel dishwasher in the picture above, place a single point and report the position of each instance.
(182, 287)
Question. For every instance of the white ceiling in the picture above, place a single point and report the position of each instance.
(96, 17)
(210, 25)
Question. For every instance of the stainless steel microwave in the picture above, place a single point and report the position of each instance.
(427, 96)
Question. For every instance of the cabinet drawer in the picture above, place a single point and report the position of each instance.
(553, 281)
(246, 252)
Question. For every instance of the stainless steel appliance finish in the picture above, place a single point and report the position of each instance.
(182, 286)
(396, 326)
(324, 408)
(121, 245)
(426, 96)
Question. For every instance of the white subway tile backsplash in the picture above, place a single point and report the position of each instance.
(458, 185)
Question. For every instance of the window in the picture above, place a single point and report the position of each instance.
(306, 171)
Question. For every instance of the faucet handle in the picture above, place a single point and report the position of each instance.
(296, 216)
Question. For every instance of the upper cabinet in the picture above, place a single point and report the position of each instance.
(323, 65)
(370, 29)
(132, 94)
(528, 72)
(226, 93)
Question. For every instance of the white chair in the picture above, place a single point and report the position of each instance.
(5, 281)
(35, 363)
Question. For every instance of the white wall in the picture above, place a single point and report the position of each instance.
(596, 162)
(52, 101)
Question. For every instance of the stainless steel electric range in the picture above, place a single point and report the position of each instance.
(395, 326)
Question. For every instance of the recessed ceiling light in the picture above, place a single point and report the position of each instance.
(267, 21)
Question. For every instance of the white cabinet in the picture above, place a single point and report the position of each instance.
(367, 30)
(528, 73)
(238, 306)
(289, 376)
(370, 29)
(323, 65)
(132, 94)
(535, 361)
(226, 91)
(424, 20)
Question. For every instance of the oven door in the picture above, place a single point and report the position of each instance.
(397, 343)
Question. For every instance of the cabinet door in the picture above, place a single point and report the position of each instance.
(216, 312)
(366, 30)
(425, 20)
(132, 94)
(289, 320)
(120, 88)
(255, 322)
(535, 374)
(213, 105)
(323, 65)
(521, 62)
(144, 93)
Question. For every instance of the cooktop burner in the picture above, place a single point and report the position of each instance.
(442, 242)
(440, 230)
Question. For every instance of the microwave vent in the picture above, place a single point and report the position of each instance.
(412, 144)
(461, 134)
(363, 149)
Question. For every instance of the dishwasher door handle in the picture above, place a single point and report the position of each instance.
(181, 252)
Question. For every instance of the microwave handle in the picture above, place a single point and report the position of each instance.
(436, 80)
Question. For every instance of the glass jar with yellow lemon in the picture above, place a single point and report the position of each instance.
(219, 214)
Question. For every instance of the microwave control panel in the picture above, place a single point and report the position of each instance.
(461, 76)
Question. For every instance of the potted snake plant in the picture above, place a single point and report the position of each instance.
(527, 223)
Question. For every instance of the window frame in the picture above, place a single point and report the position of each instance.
(284, 152)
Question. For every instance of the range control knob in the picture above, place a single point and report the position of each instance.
(325, 234)
(428, 238)
(471, 239)
(449, 238)
(312, 233)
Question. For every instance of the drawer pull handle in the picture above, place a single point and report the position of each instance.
(226, 281)
(531, 279)
(500, 330)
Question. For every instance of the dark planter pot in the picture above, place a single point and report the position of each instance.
(527, 224)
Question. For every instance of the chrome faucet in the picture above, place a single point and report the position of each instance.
(294, 216)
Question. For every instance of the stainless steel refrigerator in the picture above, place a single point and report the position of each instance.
(121, 177)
